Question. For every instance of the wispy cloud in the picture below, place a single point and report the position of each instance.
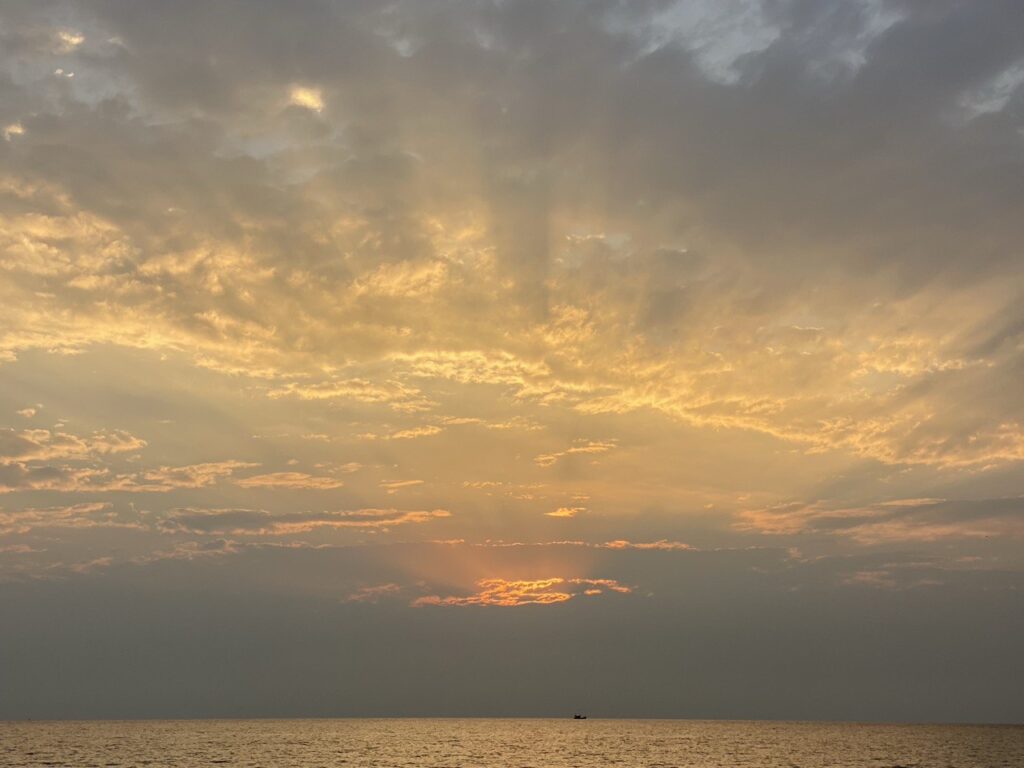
(374, 593)
(906, 520)
(578, 447)
(394, 486)
(250, 522)
(290, 480)
(662, 544)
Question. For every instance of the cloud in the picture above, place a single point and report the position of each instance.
(306, 97)
(513, 593)
(347, 468)
(373, 594)
(248, 522)
(394, 486)
(429, 430)
(21, 476)
(404, 279)
(410, 434)
(35, 445)
(18, 549)
(614, 311)
(84, 515)
(906, 520)
(771, 247)
(294, 480)
(24, 476)
(566, 512)
(662, 544)
(578, 447)
(191, 550)
(398, 396)
(69, 39)
(88, 566)
(191, 475)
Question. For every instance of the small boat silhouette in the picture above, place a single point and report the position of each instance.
(579, 717)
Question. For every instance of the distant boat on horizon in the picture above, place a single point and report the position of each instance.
(578, 716)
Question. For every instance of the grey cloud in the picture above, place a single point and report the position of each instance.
(908, 520)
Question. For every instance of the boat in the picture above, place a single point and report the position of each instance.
(578, 716)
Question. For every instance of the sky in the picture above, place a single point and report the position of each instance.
(510, 357)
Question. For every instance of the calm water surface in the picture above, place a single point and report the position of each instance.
(507, 743)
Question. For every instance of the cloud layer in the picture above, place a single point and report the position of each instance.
(645, 279)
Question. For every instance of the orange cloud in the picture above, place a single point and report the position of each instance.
(253, 522)
(372, 594)
(513, 593)
(580, 446)
(85, 515)
(22, 476)
(397, 485)
(659, 544)
(190, 475)
(296, 480)
(396, 395)
(47, 445)
(566, 512)
(410, 434)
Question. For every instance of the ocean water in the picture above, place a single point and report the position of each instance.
(417, 743)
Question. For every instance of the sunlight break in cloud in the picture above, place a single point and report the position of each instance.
(511, 593)
(306, 97)
(69, 39)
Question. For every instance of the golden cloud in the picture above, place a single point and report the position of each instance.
(291, 480)
(566, 512)
(580, 446)
(248, 522)
(513, 593)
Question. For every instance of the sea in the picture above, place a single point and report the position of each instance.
(507, 743)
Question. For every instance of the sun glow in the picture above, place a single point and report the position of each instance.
(307, 98)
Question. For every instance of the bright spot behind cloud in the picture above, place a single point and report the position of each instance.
(306, 97)
(69, 39)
